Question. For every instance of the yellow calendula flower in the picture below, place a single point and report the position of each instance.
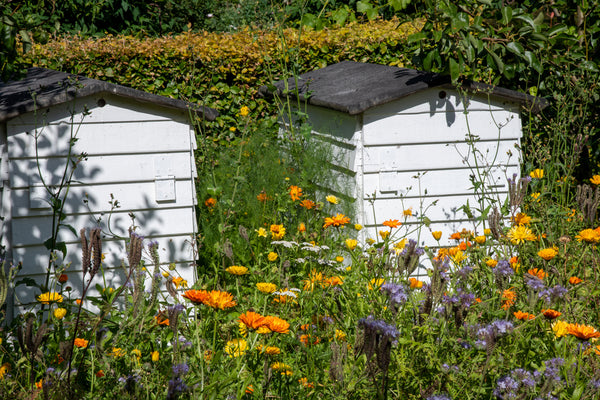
(408, 212)
(59, 313)
(487, 231)
(537, 173)
(521, 219)
(4, 369)
(244, 111)
(332, 199)
(50, 297)
(560, 328)
(358, 227)
(236, 347)
(237, 270)
(459, 257)
(339, 259)
(437, 235)
(375, 283)
(272, 256)
(117, 352)
(277, 231)
(284, 369)
(595, 180)
(480, 239)
(155, 355)
(491, 263)
(262, 232)
(370, 240)
(536, 196)
(340, 335)
(179, 282)
(520, 234)
(136, 353)
(384, 234)
(266, 288)
(351, 244)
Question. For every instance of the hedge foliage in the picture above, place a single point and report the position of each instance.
(222, 70)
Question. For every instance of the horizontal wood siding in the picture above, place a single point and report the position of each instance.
(135, 154)
(417, 155)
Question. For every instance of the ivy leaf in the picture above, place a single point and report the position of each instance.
(340, 16)
(399, 4)
(363, 6)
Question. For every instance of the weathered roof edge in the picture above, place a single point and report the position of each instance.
(42, 88)
(409, 82)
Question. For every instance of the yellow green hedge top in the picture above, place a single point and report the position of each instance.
(214, 68)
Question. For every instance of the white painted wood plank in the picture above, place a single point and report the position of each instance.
(434, 183)
(98, 170)
(440, 127)
(435, 156)
(116, 109)
(177, 221)
(131, 197)
(100, 139)
(176, 248)
(446, 208)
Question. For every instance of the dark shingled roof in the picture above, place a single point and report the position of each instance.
(50, 88)
(354, 87)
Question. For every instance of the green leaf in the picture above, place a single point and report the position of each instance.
(589, 65)
(372, 14)
(533, 61)
(497, 60)
(454, 70)
(27, 282)
(363, 6)
(516, 48)
(417, 37)
(527, 19)
(340, 16)
(556, 30)
(506, 15)
(399, 4)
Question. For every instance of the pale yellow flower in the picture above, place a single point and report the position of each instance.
(332, 199)
(262, 232)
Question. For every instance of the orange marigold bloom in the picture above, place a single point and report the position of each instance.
(551, 314)
(509, 297)
(308, 204)
(262, 197)
(276, 324)
(548, 254)
(537, 272)
(523, 315)
(589, 236)
(210, 202)
(437, 235)
(583, 332)
(252, 320)
(214, 298)
(334, 281)
(196, 296)
(309, 340)
(81, 343)
(392, 223)
(295, 192)
(455, 236)
(575, 280)
(161, 318)
(337, 220)
(415, 283)
(301, 227)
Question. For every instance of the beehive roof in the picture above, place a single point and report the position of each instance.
(354, 87)
(42, 88)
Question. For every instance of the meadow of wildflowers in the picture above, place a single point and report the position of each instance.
(289, 304)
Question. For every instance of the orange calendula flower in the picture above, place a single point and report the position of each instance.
(162, 319)
(548, 254)
(308, 204)
(509, 297)
(575, 280)
(523, 315)
(537, 272)
(333, 281)
(521, 219)
(81, 343)
(595, 180)
(408, 212)
(262, 197)
(415, 283)
(276, 324)
(252, 320)
(551, 314)
(295, 192)
(210, 202)
(308, 340)
(305, 383)
(583, 332)
(588, 236)
(337, 220)
(437, 235)
(214, 298)
(392, 223)
(455, 236)
(301, 227)
(277, 231)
